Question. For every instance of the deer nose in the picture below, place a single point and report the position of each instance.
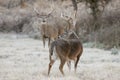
(44, 21)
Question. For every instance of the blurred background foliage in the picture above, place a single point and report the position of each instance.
(98, 21)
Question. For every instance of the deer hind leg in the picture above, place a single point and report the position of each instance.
(69, 65)
(61, 66)
(76, 62)
(50, 65)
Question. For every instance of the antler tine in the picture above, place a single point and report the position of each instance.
(75, 14)
(52, 9)
(51, 12)
(36, 11)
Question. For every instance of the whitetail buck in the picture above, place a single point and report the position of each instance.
(51, 27)
(66, 50)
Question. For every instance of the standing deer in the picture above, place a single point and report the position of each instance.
(66, 50)
(51, 27)
(48, 30)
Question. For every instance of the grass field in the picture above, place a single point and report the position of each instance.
(23, 58)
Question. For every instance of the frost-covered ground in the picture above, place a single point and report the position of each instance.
(22, 58)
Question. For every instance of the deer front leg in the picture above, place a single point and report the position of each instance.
(61, 66)
(49, 40)
(69, 65)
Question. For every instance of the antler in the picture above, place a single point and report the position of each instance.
(62, 15)
(38, 13)
(51, 10)
(75, 13)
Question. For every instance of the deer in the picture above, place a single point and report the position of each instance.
(51, 27)
(48, 30)
(65, 50)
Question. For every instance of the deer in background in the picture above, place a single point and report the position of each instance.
(65, 50)
(51, 27)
